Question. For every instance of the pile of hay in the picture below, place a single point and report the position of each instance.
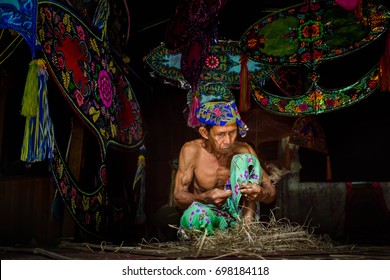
(274, 236)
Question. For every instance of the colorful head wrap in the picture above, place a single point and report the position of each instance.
(221, 113)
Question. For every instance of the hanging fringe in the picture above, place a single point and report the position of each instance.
(328, 169)
(38, 134)
(194, 106)
(385, 67)
(101, 16)
(245, 103)
(30, 100)
(139, 182)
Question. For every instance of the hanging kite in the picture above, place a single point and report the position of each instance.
(223, 64)
(308, 35)
(92, 81)
(77, 54)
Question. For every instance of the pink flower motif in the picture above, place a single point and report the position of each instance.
(103, 174)
(61, 26)
(306, 57)
(217, 111)
(264, 101)
(79, 98)
(73, 193)
(105, 88)
(372, 84)
(283, 103)
(48, 14)
(212, 62)
(317, 55)
(80, 32)
(87, 218)
(61, 62)
(303, 107)
(47, 48)
(63, 188)
(329, 102)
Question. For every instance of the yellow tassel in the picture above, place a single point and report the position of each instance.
(328, 169)
(38, 133)
(30, 101)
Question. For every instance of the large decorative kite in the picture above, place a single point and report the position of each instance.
(224, 65)
(307, 35)
(93, 83)
(78, 55)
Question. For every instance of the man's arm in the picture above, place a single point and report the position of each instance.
(184, 176)
(268, 190)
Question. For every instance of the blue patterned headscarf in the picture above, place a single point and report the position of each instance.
(221, 113)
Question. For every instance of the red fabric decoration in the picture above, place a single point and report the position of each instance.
(245, 103)
(194, 106)
(348, 4)
(190, 29)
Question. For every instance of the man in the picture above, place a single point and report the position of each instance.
(219, 180)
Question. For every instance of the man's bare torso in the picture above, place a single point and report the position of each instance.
(211, 170)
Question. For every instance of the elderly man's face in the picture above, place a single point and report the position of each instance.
(223, 137)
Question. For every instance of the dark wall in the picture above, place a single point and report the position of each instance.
(356, 135)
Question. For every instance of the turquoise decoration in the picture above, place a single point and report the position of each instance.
(211, 92)
(222, 65)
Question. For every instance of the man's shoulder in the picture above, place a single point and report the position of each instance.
(241, 147)
(193, 145)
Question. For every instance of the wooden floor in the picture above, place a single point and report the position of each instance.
(182, 250)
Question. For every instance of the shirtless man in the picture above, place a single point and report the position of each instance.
(202, 184)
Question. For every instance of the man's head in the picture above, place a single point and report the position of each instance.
(220, 138)
(221, 113)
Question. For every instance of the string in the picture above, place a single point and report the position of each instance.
(16, 38)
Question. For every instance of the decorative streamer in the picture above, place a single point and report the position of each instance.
(194, 106)
(38, 135)
(245, 103)
(139, 182)
(101, 16)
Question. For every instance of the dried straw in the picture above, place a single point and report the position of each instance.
(257, 238)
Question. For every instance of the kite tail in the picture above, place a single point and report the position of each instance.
(38, 134)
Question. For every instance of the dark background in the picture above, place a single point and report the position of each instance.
(356, 136)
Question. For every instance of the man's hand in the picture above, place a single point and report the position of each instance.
(217, 197)
(254, 192)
